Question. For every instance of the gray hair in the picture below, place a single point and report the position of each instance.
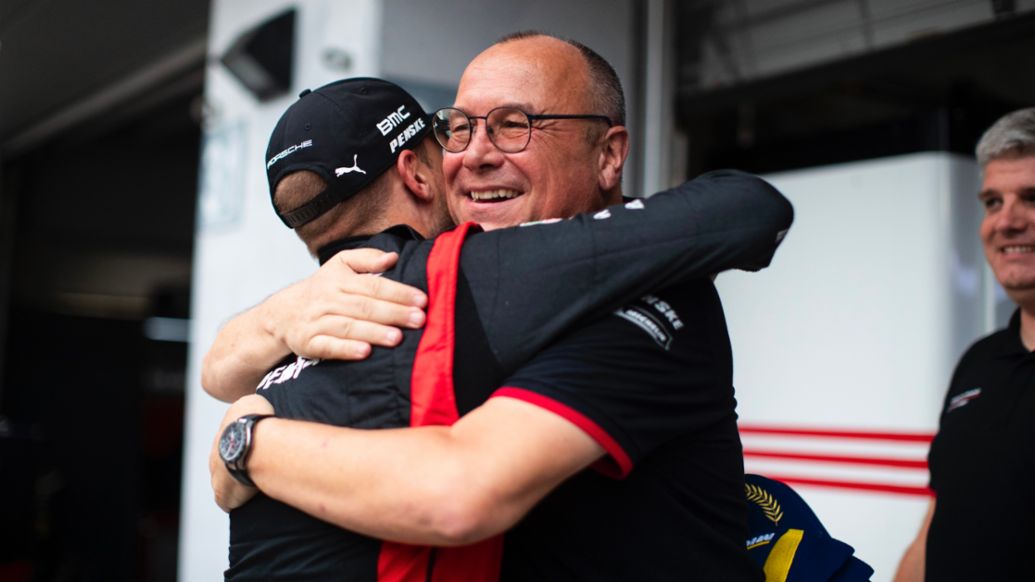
(1012, 136)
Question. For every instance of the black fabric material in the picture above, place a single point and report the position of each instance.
(476, 371)
(273, 541)
(983, 464)
(518, 290)
(399, 231)
(680, 514)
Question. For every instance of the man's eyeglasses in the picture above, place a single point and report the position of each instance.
(510, 129)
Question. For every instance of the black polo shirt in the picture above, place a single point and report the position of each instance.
(983, 465)
(655, 378)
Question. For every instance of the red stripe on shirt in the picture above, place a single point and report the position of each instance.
(431, 384)
(432, 402)
(617, 464)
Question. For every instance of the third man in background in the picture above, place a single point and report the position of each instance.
(979, 522)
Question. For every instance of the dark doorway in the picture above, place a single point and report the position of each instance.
(98, 240)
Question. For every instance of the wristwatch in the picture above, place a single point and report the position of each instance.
(236, 443)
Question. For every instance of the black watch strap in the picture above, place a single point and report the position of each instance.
(241, 429)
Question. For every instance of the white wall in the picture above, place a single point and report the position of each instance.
(242, 252)
(856, 327)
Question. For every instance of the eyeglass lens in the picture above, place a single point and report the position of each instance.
(508, 128)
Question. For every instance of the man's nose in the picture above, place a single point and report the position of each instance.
(1013, 217)
(482, 152)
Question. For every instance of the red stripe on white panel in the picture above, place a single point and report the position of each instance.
(877, 461)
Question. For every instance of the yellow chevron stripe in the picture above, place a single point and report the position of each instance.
(778, 564)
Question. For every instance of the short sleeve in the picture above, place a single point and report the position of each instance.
(654, 369)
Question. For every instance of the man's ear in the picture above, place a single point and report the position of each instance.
(415, 175)
(614, 151)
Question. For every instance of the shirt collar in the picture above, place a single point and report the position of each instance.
(1011, 343)
(330, 249)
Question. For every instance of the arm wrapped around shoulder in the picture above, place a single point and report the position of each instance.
(746, 215)
(597, 261)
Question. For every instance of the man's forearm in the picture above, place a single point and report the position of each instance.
(426, 485)
(386, 483)
(242, 352)
(338, 313)
(913, 564)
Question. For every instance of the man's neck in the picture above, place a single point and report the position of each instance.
(1028, 328)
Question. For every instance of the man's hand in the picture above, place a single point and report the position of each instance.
(336, 314)
(231, 493)
(344, 308)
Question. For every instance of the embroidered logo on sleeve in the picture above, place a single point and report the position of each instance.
(962, 399)
(765, 501)
(759, 541)
(655, 317)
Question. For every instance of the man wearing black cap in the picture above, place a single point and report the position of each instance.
(360, 195)
(327, 195)
(649, 386)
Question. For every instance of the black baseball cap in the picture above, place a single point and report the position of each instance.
(349, 132)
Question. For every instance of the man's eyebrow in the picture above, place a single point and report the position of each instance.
(1026, 191)
(526, 107)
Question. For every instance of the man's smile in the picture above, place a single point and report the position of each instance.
(493, 195)
(1017, 249)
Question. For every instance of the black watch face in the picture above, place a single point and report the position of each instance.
(232, 442)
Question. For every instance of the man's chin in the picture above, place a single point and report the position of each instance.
(1022, 293)
(492, 225)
